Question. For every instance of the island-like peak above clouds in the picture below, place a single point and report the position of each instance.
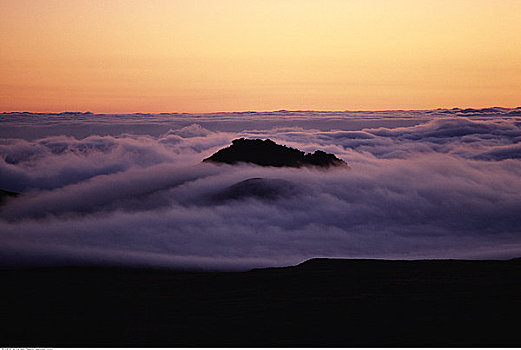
(268, 153)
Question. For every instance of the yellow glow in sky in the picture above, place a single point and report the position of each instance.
(235, 55)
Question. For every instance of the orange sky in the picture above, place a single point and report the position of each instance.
(235, 55)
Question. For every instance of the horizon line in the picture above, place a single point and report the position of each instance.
(265, 111)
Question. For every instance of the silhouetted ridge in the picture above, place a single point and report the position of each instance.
(268, 153)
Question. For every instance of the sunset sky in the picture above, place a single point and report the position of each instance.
(225, 55)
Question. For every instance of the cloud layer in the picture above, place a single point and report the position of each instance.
(436, 184)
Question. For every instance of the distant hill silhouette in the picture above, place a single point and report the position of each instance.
(268, 153)
(4, 195)
(259, 188)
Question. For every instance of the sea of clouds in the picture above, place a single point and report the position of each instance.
(131, 189)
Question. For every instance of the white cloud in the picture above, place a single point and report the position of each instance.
(447, 187)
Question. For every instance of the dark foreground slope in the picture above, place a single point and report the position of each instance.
(320, 303)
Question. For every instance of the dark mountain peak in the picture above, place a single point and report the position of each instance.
(268, 153)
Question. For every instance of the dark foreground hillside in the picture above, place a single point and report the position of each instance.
(318, 303)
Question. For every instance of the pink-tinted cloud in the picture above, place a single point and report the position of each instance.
(445, 186)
